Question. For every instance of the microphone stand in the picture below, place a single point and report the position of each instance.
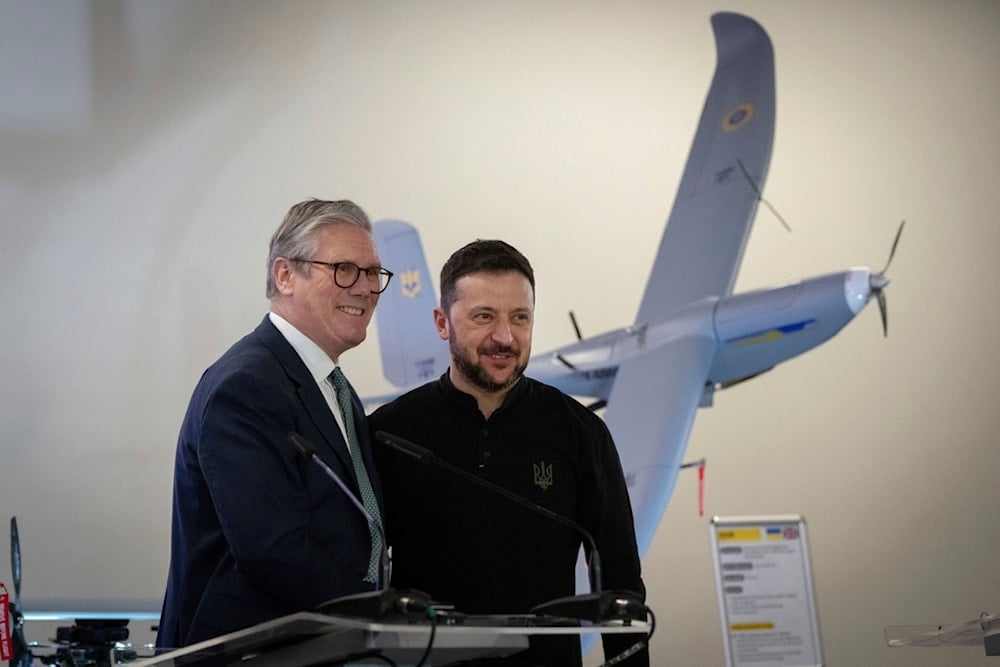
(373, 604)
(308, 451)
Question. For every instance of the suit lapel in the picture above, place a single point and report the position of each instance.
(335, 453)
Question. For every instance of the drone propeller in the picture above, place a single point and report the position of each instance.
(878, 282)
(22, 657)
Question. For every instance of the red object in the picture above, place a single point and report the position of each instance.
(701, 489)
(6, 651)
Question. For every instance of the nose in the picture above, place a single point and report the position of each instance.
(502, 332)
(362, 286)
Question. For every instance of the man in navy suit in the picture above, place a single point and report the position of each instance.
(258, 531)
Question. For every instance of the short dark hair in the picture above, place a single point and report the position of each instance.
(482, 256)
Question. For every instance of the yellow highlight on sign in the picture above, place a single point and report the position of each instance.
(743, 627)
(738, 535)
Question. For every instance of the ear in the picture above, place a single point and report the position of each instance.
(283, 274)
(441, 322)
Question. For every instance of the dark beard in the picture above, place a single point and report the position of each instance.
(477, 375)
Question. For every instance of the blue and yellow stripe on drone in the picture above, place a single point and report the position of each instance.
(771, 335)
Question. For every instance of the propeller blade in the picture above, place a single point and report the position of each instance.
(892, 253)
(878, 282)
(15, 560)
(883, 311)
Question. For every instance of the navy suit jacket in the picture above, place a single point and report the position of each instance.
(258, 531)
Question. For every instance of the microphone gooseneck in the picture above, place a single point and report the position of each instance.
(599, 605)
(384, 601)
(308, 451)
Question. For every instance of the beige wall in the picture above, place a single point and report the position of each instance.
(149, 149)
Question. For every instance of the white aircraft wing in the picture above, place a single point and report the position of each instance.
(702, 246)
(650, 413)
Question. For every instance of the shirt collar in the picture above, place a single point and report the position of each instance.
(316, 360)
(449, 389)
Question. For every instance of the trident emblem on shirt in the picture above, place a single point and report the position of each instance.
(543, 474)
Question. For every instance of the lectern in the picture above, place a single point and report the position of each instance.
(309, 638)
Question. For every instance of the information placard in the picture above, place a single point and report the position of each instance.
(766, 599)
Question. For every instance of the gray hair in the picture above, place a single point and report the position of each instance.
(298, 234)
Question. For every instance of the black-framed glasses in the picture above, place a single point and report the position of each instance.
(345, 274)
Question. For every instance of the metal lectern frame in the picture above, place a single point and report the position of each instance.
(309, 638)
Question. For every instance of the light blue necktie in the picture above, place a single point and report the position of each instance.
(339, 383)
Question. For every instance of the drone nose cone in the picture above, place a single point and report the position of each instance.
(858, 287)
(879, 282)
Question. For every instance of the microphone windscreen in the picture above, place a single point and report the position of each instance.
(405, 446)
(301, 445)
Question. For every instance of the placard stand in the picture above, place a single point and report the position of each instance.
(766, 598)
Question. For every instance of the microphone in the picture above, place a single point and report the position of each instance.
(373, 604)
(379, 604)
(623, 605)
(425, 455)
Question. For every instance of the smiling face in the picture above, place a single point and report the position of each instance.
(335, 318)
(488, 328)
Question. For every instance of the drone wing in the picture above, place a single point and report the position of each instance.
(652, 403)
(706, 233)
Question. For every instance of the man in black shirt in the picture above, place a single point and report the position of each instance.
(464, 544)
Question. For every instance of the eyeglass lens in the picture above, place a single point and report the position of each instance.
(346, 274)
